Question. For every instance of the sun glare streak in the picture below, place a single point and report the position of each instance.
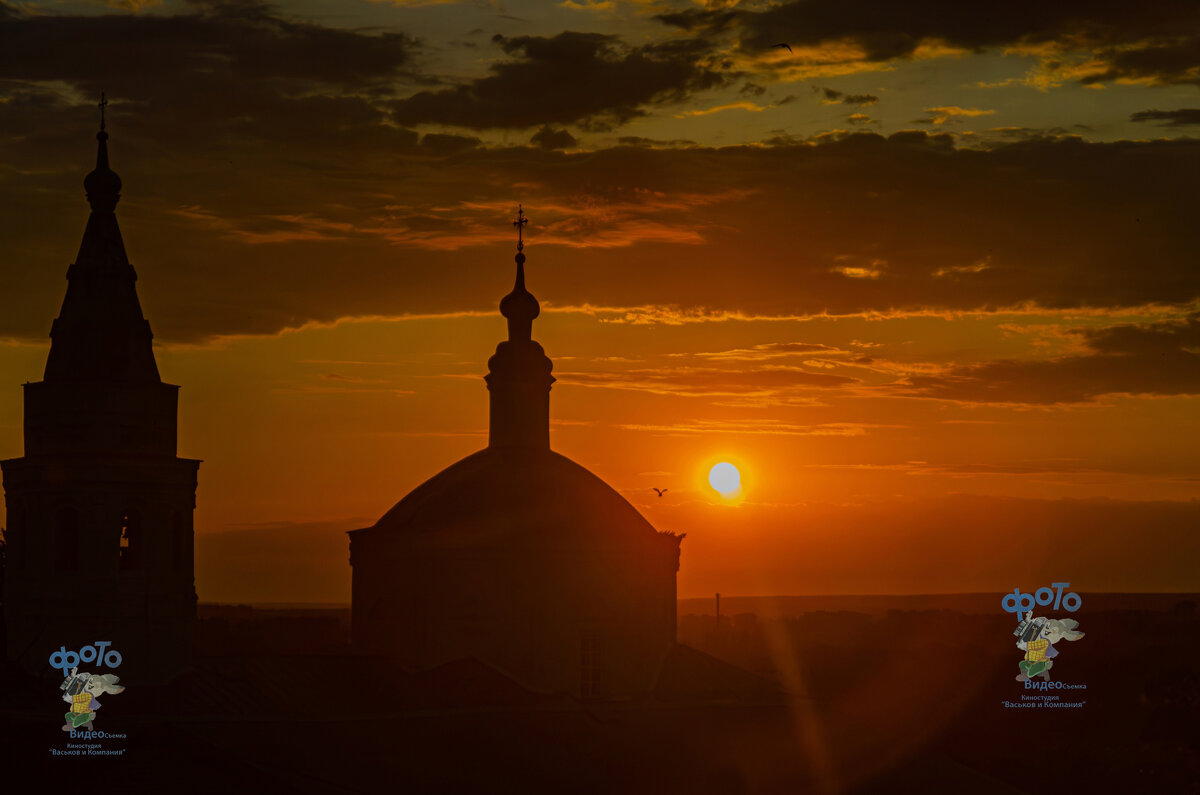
(810, 730)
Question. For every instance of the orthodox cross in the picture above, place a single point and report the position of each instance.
(103, 105)
(520, 225)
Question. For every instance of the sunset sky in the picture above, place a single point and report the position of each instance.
(930, 279)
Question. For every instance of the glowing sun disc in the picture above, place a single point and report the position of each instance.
(725, 478)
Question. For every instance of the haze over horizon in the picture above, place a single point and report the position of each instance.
(928, 279)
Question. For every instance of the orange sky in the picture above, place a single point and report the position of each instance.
(952, 346)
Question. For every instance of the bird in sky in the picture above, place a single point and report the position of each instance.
(783, 45)
(660, 491)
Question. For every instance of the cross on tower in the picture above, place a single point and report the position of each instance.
(520, 225)
(103, 105)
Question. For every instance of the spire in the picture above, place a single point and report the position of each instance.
(100, 332)
(103, 186)
(518, 376)
(519, 306)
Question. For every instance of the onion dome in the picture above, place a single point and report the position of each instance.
(519, 306)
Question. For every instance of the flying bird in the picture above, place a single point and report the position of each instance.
(782, 44)
(660, 491)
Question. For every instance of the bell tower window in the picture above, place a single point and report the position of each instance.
(131, 542)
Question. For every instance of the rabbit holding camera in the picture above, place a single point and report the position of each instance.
(1038, 645)
(81, 693)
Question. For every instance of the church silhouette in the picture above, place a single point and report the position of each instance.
(512, 627)
(99, 536)
(516, 555)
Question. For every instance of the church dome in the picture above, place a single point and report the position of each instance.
(516, 491)
(502, 495)
(516, 555)
(520, 307)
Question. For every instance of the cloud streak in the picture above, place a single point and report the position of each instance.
(764, 381)
(1171, 118)
(1132, 359)
(1076, 40)
(570, 78)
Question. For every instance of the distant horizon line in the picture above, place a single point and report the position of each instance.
(738, 596)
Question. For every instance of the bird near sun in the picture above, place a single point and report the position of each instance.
(660, 492)
(725, 479)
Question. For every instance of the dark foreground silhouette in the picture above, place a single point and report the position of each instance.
(829, 700)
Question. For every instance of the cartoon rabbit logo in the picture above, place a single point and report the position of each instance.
(1036, 637)
(81, 691)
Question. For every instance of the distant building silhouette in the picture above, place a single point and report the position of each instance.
(100, 508)
(518, 556)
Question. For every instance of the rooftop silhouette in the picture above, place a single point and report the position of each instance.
(100, 332)
(100, 542)
(517, 555)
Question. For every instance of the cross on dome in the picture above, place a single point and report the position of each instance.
(103, 186)
(519, 306)
(520, 225)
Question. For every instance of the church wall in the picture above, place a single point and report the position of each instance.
(101, 507)
(67, 578)
(105, 418)
(518, 556)
(538, 615)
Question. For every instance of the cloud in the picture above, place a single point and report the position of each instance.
(446, 144)
(1171, 60)
(550, 138)
(637, 140)
(1150, 42)
(1029, 133)
(301, 159)
(772, 350)
(569, 78)
(220, 78)
(755, 428)
(764, 381)
(955, 270)
(856, 272)
(132, 5)
(1170, 118)
(834, 97)
(218, 215)
(1147, 359)
(750, 106)
(588, 5)
(246, 40)
(945, 113)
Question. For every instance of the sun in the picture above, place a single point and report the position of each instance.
(725, 478)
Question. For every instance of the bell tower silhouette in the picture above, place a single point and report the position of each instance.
(99, 507)
(518, 378)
